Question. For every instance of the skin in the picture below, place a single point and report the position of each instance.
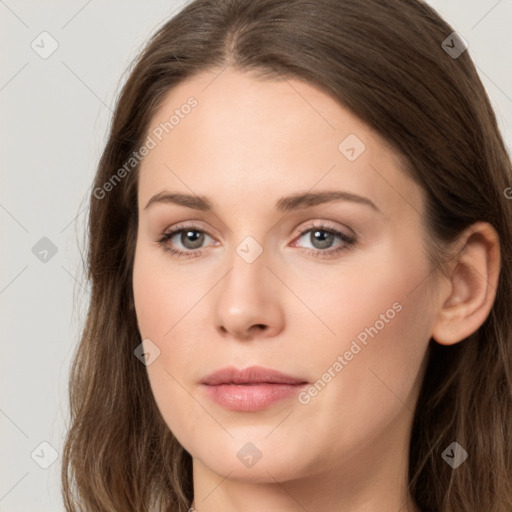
(248, 143)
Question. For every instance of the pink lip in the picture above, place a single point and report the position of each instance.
(251, 389)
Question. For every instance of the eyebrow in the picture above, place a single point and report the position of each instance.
(285, 204)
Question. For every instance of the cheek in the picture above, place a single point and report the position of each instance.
(368, 371)
(159, 297)
(375, 294)
(384, 318)
(164, 304)
(377, 378)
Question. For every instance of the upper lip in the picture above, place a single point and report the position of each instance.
(250, 375)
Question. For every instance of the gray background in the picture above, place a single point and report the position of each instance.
(55, 114)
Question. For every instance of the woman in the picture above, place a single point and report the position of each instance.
(299, 251)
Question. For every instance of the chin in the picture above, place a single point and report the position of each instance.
(258, 461)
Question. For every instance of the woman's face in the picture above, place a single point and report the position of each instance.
(334, 293)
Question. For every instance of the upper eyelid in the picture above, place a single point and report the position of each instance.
(198, 224)
(320, 224)
(180, 226)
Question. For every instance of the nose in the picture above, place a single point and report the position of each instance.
(248, 301)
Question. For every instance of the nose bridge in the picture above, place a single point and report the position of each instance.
(247, 295)
(249, 270)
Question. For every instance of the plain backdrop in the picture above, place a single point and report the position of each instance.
(55, 112)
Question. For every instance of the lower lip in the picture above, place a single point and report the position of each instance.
(251, 397)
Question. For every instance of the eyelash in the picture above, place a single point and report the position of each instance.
(348, 241)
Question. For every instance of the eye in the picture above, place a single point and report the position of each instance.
(322, 239)
(190, 237)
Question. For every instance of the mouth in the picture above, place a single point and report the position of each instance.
(251, 389)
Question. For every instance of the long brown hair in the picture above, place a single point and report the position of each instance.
(385, 62)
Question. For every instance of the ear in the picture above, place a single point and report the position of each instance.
(467, 298)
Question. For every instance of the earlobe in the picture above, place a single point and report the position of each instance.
(472, 285)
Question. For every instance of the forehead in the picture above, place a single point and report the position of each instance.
(225, 134)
